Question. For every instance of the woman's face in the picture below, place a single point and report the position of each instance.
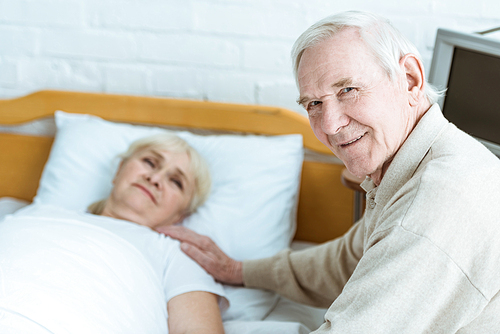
(152, 188)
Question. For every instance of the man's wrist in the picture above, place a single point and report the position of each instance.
(237, 273)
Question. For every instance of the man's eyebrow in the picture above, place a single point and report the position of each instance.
(302, 99)
(341, 83)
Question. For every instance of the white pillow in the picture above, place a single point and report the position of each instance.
(251, 210)
(9, 205)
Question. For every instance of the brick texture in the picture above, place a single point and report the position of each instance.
(219, 50)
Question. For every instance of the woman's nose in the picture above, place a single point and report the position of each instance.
(153, 178)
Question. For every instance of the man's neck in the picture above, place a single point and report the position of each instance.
(419, 113)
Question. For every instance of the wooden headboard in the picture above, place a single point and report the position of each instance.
(325, 206)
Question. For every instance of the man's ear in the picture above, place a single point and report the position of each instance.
(415, 78)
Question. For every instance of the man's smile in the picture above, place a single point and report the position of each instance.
(351, 141)
(345, 143)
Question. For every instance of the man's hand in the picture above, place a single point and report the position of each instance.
(203, 250)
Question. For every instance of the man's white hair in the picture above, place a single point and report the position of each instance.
(385, 42)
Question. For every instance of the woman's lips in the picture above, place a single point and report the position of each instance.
(146, 191)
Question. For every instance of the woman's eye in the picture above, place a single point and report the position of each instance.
(149, 162)
(178, 183)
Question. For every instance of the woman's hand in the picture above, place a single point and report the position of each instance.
(203, 250)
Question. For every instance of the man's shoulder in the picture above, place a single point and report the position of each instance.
(456, 146)
(457, 160)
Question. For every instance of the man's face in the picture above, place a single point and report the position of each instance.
(353, 106)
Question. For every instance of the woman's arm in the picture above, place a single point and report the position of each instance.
(194, 312)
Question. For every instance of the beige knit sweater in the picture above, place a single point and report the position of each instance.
(425, 258)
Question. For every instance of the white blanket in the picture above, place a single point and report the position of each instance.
(78, 273)
(118, 296)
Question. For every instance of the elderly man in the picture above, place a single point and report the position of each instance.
(425, 257)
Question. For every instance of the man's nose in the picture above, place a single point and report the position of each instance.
(333, 118)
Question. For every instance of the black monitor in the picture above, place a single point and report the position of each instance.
(468, 66)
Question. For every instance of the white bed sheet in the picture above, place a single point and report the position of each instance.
(268, 313)
(265, 327)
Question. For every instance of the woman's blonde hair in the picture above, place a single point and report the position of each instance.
(171, 143)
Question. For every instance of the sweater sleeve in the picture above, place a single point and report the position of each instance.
(404, 284)
(314, 276)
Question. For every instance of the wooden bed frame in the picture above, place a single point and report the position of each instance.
(325, 208)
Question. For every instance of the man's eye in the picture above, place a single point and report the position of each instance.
(347, 90)
(313, 108)
(313, 105)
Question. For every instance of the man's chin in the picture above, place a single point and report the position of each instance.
(357, 170)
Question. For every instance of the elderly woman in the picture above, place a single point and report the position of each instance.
(133, 269)
(171, 176)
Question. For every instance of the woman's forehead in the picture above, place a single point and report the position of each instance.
(178, 157)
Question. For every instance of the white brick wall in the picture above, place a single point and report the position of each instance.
(219, 50)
